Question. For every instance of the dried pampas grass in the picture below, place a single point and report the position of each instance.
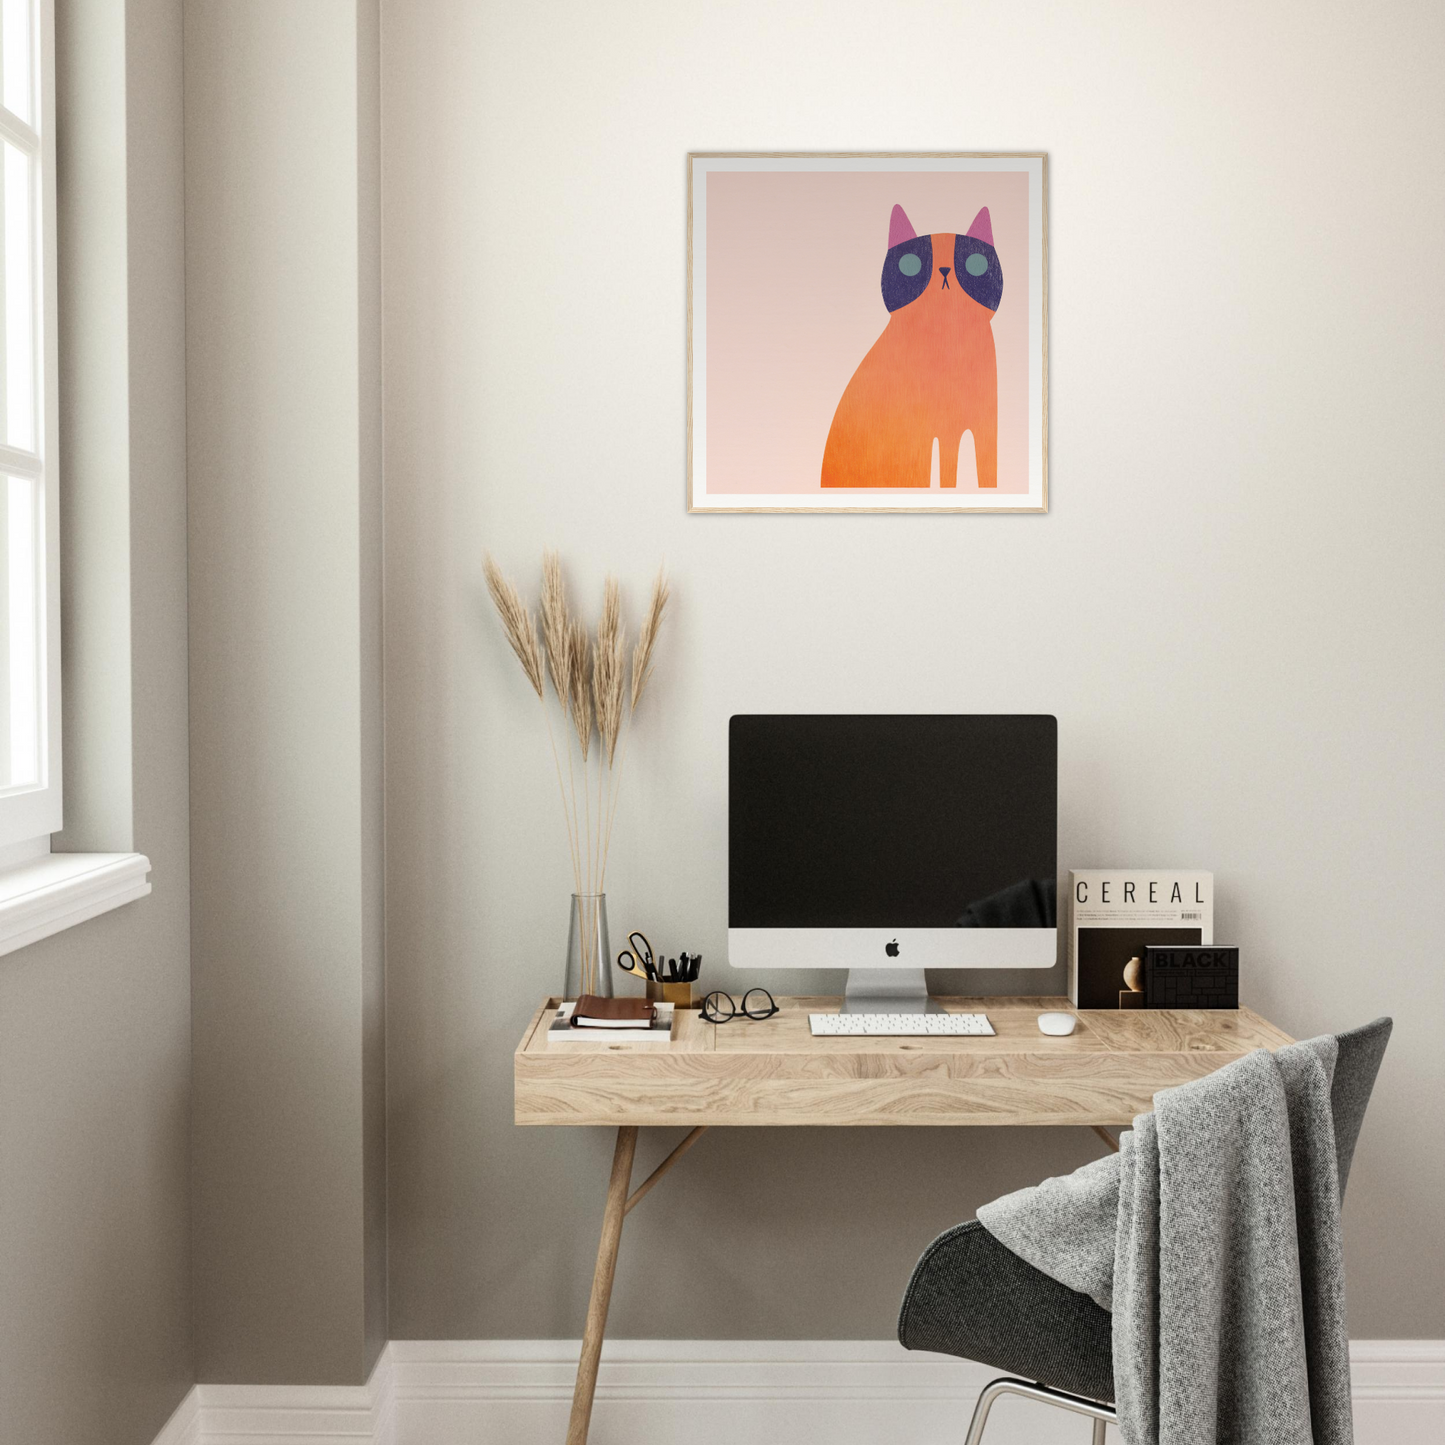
(609, 670)
(589, 681)
(555, 633)
(647, 636)
(579, 685)
(516, 622)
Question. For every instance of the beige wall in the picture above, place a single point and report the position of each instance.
(95, 1344)
(369, 638)
(282, 320)
(1234, 607)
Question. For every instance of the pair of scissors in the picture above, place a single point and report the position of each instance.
(638, 958)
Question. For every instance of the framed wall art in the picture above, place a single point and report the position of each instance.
(867, 333)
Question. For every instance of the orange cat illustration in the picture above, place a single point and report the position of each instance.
(931, 375)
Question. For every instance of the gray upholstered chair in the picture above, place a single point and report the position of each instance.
(972, 1297)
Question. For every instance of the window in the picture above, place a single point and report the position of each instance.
(41, 892)
(30, 797)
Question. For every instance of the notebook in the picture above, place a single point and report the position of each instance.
(593, 1012)
(561, 1032)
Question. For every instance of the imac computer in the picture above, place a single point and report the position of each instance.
(890, 844)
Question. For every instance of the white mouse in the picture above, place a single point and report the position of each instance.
(1058, 1024)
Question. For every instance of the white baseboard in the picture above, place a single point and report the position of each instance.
(714, 1392)
(288, 1414)
(184, 1427)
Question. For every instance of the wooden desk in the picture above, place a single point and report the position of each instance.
(773, 1072)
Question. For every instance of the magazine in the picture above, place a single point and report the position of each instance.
(1115, 912)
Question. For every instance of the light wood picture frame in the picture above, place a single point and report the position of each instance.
(815, 386)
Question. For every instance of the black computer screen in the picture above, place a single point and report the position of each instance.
(932, 821)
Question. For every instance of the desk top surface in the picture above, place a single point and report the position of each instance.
(773, 1071)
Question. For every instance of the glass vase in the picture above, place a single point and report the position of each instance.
(589, 952)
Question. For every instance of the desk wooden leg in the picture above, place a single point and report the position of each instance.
(612, 1217)
(640, 1193)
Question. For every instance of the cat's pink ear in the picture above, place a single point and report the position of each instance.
(982, 228)
(899, 228)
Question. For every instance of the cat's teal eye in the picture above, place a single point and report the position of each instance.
(910, 264)
(976, 264)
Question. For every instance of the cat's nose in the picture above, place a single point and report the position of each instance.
(945, 270)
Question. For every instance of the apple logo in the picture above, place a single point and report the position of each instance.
(891, 949)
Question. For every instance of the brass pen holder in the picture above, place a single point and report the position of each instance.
(678, 994)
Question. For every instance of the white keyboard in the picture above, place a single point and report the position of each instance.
(912, 1026)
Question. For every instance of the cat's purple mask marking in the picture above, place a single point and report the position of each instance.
(908, 266)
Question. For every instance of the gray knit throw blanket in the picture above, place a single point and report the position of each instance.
(1214, 1237)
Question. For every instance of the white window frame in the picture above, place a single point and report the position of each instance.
(42, 892)
(29, 815)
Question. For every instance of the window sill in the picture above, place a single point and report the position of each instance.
(59, 890)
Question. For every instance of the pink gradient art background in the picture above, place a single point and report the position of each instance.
(793, 304)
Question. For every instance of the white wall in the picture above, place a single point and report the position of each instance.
(284, 519)
(95, 1301)
(1234, 606)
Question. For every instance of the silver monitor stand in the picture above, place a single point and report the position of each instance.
(887, 991)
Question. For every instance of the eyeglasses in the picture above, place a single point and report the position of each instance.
(719, 1008)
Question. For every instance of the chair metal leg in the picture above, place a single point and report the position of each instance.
(1099, 1413)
